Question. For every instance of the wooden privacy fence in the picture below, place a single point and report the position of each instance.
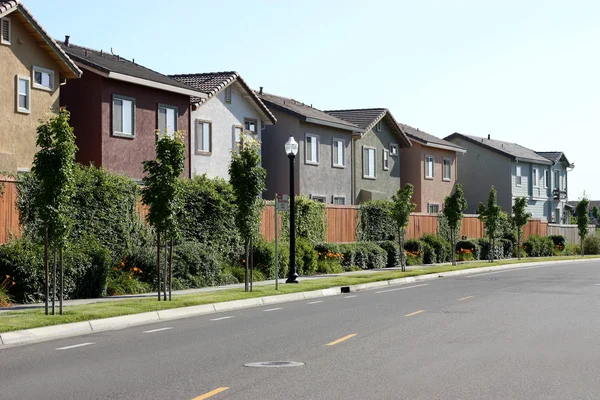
(570, 232)
(9, 215)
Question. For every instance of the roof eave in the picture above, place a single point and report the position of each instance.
(445, 147)
(532, 160)
(332, 124)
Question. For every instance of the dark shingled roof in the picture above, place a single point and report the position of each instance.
(367, 118)
(306, 112)
(426, 138)
(212, 83)
(511, 150)
(550, 155)
(107, 62)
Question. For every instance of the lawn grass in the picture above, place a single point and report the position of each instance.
(18, 320)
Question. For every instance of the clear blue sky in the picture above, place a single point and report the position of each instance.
(521, 71)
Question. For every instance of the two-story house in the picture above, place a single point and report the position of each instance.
(118, 106)
(230, 107)
(514, 170)
(556, 184)
(32, 69)
(430, 166)
(376, 153)
(323, 166)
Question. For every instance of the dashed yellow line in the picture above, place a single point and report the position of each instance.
(211, 393)
(340, 340)
(414, 313)
(466, 298)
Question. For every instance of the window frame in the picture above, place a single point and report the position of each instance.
(333, 147)
(393, 149)
(535, 177)
(306, 160)
(197, 151)
(334, 197)
(235, 145)
(429, 205)
(36, 85)
(133, 114)
(556, 179)
(2, 40)
(17, 94)
(170, 107)
(385, 160)
(368, 149)
(449, 178)
(518, 176)
(227, 94)
(546, 179)
(378, 126)
(432, 176)
(319, 197)
(255, 121)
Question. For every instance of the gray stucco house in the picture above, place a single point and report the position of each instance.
(323, 166)
(376, 153)
(217, 121)
(515, 171)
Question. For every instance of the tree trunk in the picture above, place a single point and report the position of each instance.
(246, 286)
(171, 271)
(519, 244)
(251, 265)
(62, 281)
(54, 279)
(402, 252)
(492, 250)
(582, 249)
(158, 262)
(165, 272)
(46, 271)
(453, 248)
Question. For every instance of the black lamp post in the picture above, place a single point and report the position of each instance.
(291, 148)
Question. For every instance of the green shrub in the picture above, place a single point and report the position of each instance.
(393, 253)
(468, 247)
(264, 258)
(126, 282)
(6, 284)
(591, 245)
(442, 248)
(311, 221)
(429, 256)
(329, 267)
(196, 265)
(88, 264)
(375, 222)
(559, 242)
(362, 255)
(306, 257)
(330, 258)
(571, 249)
(507, 247)
(484, 249)
(414, 252)
(236, 271)
(227, 279)
(22, 260)
(538, 246)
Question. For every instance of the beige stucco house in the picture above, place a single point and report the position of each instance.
(32, 68)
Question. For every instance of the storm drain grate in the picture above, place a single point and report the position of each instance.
(275, 364)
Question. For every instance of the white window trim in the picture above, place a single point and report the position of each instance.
(546, 179)
(556, 181)
(318, 196)
(433, 204)
(306, 160)
(235, 145)
(374, 163)
(175, 109)
(338, 197)
(385, 153)
(432, 176)
(444, 169)
(535, 177)
(19, 109)
(333, 160)
(46, 71)
(2, 41)
(518, 174)
(197, 151)
(393, 149)
(133, 112)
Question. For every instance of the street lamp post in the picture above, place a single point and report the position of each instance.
(291, 149)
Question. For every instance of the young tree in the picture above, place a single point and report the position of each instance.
(162, 192)
(454, 207)
(519, 219)
(596, 214)
(583, 219)
(52, 168)
(491, 216)
(248, 180)
(402, 206)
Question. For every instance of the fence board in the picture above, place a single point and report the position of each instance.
(570, 232)
(341, 223)
(9, 214)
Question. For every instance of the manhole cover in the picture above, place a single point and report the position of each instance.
(275, 364)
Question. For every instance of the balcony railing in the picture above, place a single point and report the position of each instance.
(559, 194)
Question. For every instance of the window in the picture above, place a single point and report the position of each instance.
(339, 200)
(518, 179)
(250, 125)
(386, 159)
(434, 208)
(228, 95)
(535, 177)
(447, 169)
(43, 78)
(378, 126)
(368, 162)
(312, 149)
(6, 34)
(123, 116)
(556, 179)
(320, 199)
(393, 149)
(203, 137)
(338, 152)
(236, 138)
(23, 94)
(546, 179)
(429, 167)
(167, 119)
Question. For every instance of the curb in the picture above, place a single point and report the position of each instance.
(125, 321)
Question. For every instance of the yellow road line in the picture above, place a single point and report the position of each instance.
(414, 313)
(211, 393)
(466, 298)
(341, 339)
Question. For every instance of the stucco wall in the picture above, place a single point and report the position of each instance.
(386, 183)
(223, 117)
(18, 130)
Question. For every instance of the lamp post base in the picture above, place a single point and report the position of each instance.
(292, 279)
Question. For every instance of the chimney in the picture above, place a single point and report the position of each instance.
(67, 37)
(488, 136)
(260, 91)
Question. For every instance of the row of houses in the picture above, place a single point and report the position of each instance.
(345, 156)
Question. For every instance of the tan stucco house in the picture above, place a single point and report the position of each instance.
(32, 68)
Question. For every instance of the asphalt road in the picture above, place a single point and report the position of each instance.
(530, 333)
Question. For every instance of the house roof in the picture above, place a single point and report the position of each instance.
(555, 157)
(212, 83)
(306, 112)
(67, 67)
(367, 118)
(114, 66)
(512, 150)
(430, 140)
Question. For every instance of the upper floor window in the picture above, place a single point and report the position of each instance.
(251, 126)
(339, 200)
(311, 149)
(369, 162)
(338, 153)
(429, 167)
(203, 137)
(535, 177)
(23, 94)
(447, 169)
(123, 116)
(556, 179)
(434, 208)
(518, 179)
(378, 126)
(320, 199)
(393, 149)
(167, 119)
(5, 28)
(546, 179)
(228, 95)
(236, 138)
(43, 78)
(386, 159)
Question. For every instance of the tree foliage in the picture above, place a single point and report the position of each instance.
(375, 221)
(583, 219)
(491, 216)
(310, 220)
(454, 207)
(402, 207)
(596, 214)
(519, 218)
